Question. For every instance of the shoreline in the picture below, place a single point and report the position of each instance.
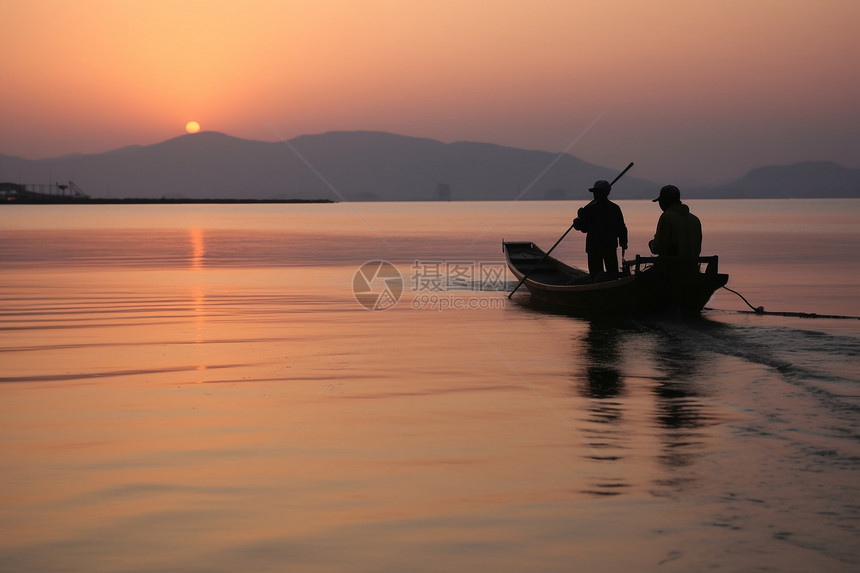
(145, 201)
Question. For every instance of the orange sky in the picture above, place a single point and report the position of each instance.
(690, 90)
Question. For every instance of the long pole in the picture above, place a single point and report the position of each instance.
(525, 276)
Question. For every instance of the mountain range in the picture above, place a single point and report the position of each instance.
(806, 179)
(368, 166)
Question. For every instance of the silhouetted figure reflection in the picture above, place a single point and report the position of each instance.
(680, 414)
(681, 411)
(603, 223)
(603, 384)
(602, 357)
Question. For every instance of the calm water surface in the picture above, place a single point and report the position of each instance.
(196, 388)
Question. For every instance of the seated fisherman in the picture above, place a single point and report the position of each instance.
(679, 232)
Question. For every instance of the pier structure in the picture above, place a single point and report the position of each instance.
(41, 193)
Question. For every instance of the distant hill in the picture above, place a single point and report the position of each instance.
(807, 179)
(352, 166)
(367, 166)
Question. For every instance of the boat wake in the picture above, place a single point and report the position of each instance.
(796, 375)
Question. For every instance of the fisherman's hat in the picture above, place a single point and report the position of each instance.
(601, 185)
(669, 194)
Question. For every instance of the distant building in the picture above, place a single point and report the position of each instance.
(443, 192)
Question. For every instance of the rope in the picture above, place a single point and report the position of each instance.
(757, 310)
(760, 310)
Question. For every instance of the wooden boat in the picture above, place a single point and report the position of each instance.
(646, 284)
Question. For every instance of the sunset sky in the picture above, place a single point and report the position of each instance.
(691, 90)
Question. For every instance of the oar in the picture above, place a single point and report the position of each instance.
(525, 276)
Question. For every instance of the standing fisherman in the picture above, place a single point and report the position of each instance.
(603, 223)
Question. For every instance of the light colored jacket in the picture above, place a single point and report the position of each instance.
(679, 233)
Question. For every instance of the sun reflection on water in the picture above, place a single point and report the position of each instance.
(198, 248)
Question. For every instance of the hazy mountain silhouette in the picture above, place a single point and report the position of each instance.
(362, 165)
(338, 165)
(807, 179)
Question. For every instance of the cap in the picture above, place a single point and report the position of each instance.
(601, 185)
(669, 193)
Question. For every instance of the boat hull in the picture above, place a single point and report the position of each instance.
(647, 285)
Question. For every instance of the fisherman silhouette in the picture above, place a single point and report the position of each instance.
(679, 232)
(603, 224)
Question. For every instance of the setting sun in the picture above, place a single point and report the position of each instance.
(192, 127)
